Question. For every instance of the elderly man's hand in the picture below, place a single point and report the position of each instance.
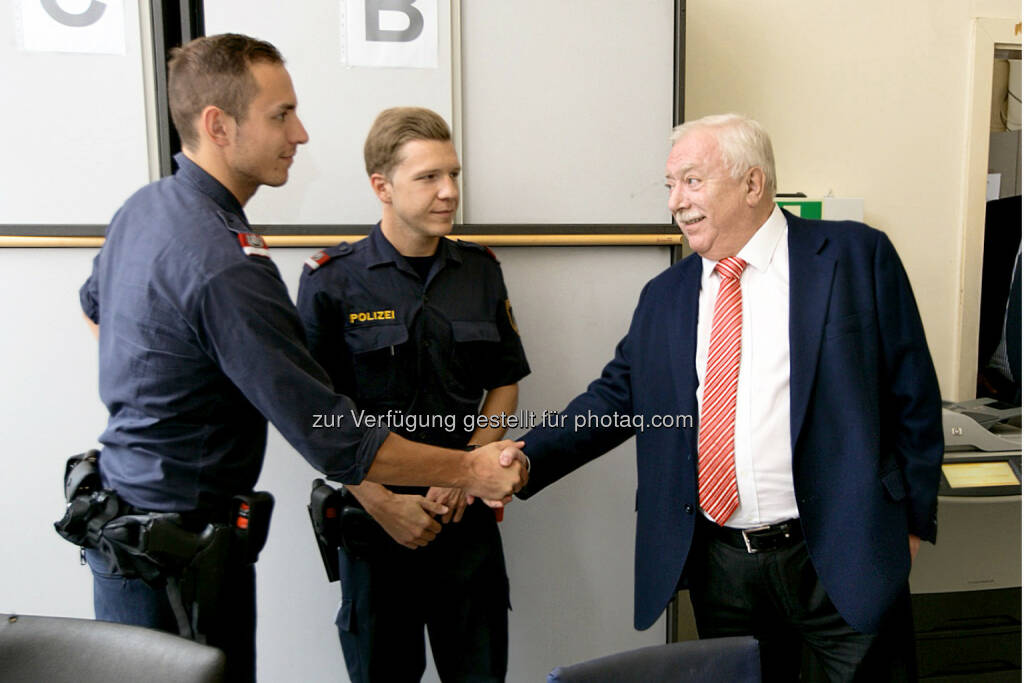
(496, 471)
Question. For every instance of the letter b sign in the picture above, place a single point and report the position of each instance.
(375, 33)
(402, 33)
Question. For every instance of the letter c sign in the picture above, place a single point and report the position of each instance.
(90, 16)
(75, 26)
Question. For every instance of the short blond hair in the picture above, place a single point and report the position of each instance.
(393, 128)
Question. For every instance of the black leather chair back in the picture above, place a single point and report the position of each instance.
(62, 650)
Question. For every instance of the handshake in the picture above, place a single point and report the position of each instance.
(496, 471)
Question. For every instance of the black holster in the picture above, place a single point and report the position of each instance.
(339, 521)
(158, 547)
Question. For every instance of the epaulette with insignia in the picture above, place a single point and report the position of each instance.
(318, 259)
(478, 247)
(253, 244)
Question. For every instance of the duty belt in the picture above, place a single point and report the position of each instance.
(186, 553)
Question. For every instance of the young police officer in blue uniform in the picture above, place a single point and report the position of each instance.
(418, 329)
(200, 344)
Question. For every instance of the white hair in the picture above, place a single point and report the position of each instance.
(742, 142)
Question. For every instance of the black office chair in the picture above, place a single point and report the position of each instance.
(61, 650)
(694, 661)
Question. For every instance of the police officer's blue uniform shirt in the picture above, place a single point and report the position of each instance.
(199, 346)
(393, 341)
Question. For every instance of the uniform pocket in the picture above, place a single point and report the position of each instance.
(367, 338)
(374, 361)
(474, 348)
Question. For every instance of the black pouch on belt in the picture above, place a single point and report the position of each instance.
(89, 506)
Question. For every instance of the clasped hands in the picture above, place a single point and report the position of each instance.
(494, 473)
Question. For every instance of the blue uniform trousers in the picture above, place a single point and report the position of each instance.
(456, 587)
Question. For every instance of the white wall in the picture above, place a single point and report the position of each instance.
(565, 110)
(569, 550)
(864, 99)
(49, 410)
(81, 177)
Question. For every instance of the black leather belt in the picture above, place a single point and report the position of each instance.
(758, 539)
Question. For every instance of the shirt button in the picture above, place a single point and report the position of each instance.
(688, 508)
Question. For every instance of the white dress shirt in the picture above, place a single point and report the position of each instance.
(764, 455)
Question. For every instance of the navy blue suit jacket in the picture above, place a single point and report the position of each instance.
(865, 420)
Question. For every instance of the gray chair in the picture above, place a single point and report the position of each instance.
(705, 661)
(61, 650)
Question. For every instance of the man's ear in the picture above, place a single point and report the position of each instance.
(216, 125)
(381, 187)
(755, 186)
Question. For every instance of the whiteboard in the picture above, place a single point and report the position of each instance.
(337, 105)
(75, 122)
(567, 109)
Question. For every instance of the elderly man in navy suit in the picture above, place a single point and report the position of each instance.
(793, 506)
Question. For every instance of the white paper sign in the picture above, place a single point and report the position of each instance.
(389, 33)
(90, 26)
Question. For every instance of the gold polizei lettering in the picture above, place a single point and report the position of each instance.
(366, 316)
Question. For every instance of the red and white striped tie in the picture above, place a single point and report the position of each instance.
(716, 461)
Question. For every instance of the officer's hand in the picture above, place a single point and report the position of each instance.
(488, 478)
(455, 499)
(409, 519)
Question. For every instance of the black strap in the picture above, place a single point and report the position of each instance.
(186, 629)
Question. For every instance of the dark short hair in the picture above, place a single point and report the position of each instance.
(214, 70)
(393, 128)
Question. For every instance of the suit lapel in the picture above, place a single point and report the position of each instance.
(810, 288)
(682, 331)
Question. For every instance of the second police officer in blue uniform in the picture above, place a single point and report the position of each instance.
(417, 329)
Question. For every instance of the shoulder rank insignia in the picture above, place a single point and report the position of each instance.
(318, 259)
(253, 244)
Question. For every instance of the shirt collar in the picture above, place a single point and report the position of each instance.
(382, 251)
(759, 251)
(193, 173)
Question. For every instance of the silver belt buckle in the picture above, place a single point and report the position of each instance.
(746, 539)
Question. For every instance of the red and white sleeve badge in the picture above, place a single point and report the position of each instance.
(253, 244)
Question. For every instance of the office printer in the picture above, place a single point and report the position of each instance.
(983, 456)
(966, 589)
